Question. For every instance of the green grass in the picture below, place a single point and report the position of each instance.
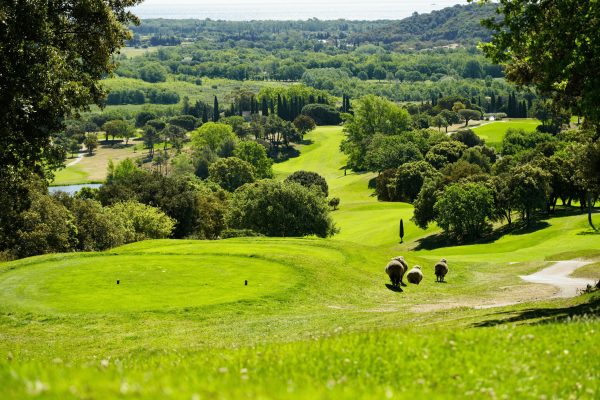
(316, 319)
(494, 132)
(72, 175)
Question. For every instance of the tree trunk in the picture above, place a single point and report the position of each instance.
(589, 201)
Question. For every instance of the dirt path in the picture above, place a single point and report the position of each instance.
(558, 275)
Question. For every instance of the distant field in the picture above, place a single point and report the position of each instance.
(494, 132)
(93, 169)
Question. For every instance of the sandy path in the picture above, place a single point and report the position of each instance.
(558, 275)
(79, 158)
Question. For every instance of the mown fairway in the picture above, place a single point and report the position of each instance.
(494, 132)
(316, 319)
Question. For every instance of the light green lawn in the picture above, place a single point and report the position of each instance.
(494, 132)
(315, 321)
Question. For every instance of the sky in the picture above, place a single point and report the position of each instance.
(288, 10)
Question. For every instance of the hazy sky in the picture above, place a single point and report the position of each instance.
(281, 9)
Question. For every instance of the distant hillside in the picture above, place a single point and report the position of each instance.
(458, 24)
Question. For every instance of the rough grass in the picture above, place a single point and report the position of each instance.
(315, 321)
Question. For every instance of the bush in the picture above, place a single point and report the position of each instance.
(310, 179)
(284, 209)
(322, 114)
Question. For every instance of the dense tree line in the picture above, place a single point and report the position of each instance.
(458, 24)
(139, 96)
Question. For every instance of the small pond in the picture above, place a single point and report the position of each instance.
(72, 189)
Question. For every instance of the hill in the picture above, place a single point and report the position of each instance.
(453, 25)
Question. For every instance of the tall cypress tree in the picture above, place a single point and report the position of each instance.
(216, 110)
(265, 107)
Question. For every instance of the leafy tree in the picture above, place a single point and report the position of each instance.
(385, 152)
(518, 140)
(150, 137)
(52, 59)
(468, 115)
(334, 202)
(559, 69)
(445, 153)
(475, 156)
(424, 204)
(409, 180)
(310, 179)
(153, 73)
(98, 228)
(46, 227)
(255, 154)
(463, 210)
(142, 221)
(118, 128)
(91, 142)
(439, 122)
(503, 198)
(530, 189)
(186, 122)
(322, 114)
(372, 115)
(231, 173)
(587, 173)
(214, 136)
(143, 117)
(468, 137)
(284, 209)
(304, 124)
(74, 147)
(460, 170)
(473, 70)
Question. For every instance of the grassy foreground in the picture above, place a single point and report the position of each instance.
(315, 320)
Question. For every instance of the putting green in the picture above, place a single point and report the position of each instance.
(146, 282)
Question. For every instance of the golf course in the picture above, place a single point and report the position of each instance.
(306, 317)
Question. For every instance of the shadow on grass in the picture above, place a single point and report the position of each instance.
(284, 154)
(394, 288)
(440, 240)
(542, 315)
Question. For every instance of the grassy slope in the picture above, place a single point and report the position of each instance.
(68, 334)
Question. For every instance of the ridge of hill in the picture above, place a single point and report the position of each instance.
(452, 25)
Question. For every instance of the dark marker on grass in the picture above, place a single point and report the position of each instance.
(118, 281)
(246, 283)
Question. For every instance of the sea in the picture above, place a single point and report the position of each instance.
(237, 10)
